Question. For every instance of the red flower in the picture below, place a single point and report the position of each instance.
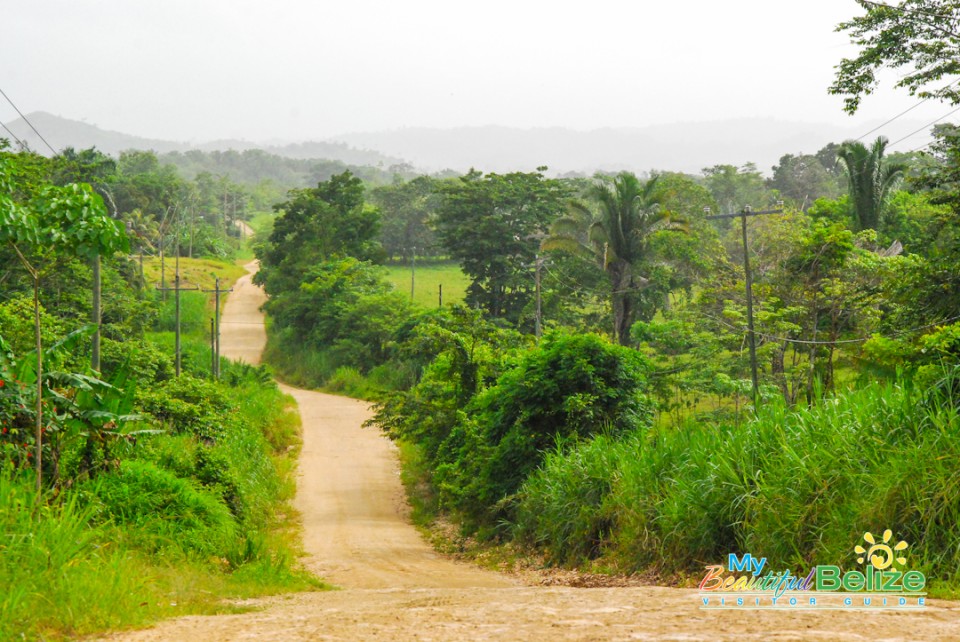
(1, 383)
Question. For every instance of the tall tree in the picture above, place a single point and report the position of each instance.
(618, 236)
(68, 220)
(734, 187)
(802, 179)
(405, 210)
(316, 225)
(870, 179)
(493, 225)
(922, 34)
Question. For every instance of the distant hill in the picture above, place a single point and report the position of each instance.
(64, 132)
(686, 147)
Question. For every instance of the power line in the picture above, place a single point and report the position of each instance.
(926, 146)
(905, 112)
(19, 142)
(27, 121)
(771, 337)
(930, 124)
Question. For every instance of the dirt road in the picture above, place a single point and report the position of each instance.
(396, 588)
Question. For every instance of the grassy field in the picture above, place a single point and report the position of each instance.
(193, 272)
(429, 278)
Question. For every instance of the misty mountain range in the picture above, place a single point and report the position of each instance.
(686, 147)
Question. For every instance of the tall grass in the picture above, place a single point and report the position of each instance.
(173, 530)
(798, 486)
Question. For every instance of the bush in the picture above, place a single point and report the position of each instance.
(571, 387)
(798, 486)
(167, 511)
(186, 404)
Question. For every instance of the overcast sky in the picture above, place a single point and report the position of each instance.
(306, 69)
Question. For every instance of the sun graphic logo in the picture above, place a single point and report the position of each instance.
(881, 554)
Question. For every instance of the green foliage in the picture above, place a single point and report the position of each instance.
(17, 325)
(85, 419)
(803, 179)
(799, 485)
(317, 225)
(734, 187)
(344, 309)
(620, 238)
(188, 405)
(167, 511)
(458, 351)
(570, 387)
(491, 224)
(918, 34)
(67, 575)
(140, 519)
(870, 180)
(405, 211)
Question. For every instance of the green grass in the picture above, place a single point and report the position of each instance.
(262, 222)
(429, 278)
(193, 273)
(157, 537)
(181, 525)
(798, 486)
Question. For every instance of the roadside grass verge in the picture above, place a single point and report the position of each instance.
(798, 486)
(181, 526)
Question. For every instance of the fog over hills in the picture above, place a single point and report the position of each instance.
(687, 147)
(63, 132)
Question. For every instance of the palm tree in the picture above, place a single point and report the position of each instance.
(617, 237)
(870, 179)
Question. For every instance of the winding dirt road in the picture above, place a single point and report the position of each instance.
(396, 588)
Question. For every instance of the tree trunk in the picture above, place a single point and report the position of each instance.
(622, 302)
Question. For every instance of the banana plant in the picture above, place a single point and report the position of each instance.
(76, 406)
(52, 221)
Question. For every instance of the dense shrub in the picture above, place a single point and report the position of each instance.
(570, 387)
(798, 486)
(170, 512)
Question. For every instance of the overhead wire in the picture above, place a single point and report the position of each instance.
(27, 121)
(930, 124)
(771, 337)
(904, 113)
(19, 142)
(910, 109)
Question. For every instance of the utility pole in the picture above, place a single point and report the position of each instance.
(96, 316)
(163, 273)
(538, 319)
(413, 270)
(216, 326)
(213, 351)
(441, 296)
(176, 293)
(743, 214)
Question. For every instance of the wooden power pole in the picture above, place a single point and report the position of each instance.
(176, 294)
(216, 326)
(752, 339)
